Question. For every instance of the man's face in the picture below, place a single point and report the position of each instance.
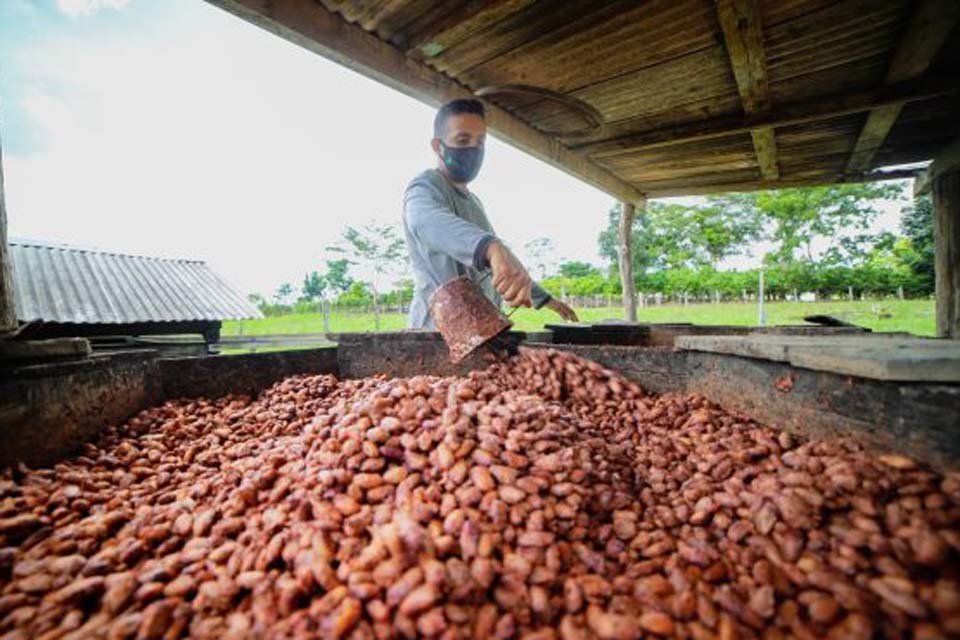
(462, 130)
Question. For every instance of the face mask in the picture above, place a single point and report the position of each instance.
(462, 163)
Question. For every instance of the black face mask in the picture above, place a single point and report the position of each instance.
(462, 163)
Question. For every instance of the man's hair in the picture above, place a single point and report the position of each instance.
(455, 108)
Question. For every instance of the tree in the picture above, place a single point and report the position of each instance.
(314, 286)
(795, 217)
(917, 226)
(577, 269)
(379, 247)
(540, 252)
(337, 277)
(724, 228)
(283, 293)
(257, 300)
(676, 236)
(609, 241)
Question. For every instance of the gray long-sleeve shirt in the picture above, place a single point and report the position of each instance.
(447, 235)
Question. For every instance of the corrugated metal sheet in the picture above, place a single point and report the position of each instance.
(55, 283)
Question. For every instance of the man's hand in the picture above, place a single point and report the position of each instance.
(563, 310)
(510, 279)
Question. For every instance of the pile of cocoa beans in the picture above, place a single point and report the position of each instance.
(541, 498)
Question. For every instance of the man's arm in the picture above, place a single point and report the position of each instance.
(430, 220)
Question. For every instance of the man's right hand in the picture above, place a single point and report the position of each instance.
(510, 279)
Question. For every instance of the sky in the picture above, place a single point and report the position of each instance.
(171, 128)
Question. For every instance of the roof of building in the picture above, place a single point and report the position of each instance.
(58, 283)
(666, 97)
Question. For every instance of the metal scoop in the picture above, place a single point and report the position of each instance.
(465, 317)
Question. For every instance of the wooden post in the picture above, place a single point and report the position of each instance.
(8, 315)
(761, 311)
(627, 211)
(946, 238)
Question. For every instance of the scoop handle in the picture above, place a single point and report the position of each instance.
(487, 275)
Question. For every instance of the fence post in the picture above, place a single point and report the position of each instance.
(761, 311)
(326, 316)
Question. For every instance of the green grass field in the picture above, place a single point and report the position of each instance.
(913, 316)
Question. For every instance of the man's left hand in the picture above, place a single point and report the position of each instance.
(563, 310)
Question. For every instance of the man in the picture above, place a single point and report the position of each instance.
(448, 234)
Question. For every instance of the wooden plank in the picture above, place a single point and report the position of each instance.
(947, 159)
(745, 344)
(802, 112)
(625, 253)
(845, 32)
(8, 314)
(595, 48)
(881, 364)
(946, 239)
(756, 185)
(310, 25)
(766, 347)
(634, 99)
(515, 31)
(875, 356)
(44, 349)
(742, 32)
(929, 27)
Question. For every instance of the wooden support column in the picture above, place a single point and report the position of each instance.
(8, 315)
(946, 237)
(930, 24)
(740, 21)
(627, 214)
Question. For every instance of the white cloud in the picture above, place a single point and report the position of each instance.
(76, 8)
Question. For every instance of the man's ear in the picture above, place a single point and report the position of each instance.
(435, 145)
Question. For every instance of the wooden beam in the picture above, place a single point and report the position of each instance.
(743, 34)
(625, 254)
(946, 160)
(8, 314)
(54, 348)
(809, 110)
(310, 25)
(930, 24)
(757, 185)
(946, 248)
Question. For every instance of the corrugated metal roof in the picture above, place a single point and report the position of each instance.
(56, 283)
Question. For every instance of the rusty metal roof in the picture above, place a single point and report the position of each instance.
(56, 283)
(666, 97)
